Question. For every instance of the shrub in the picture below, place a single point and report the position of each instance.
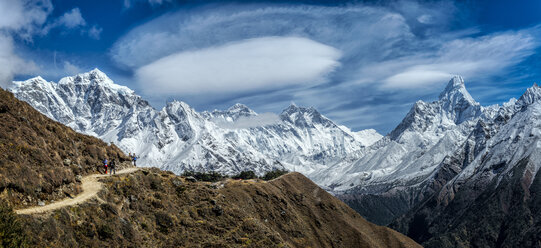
(245, 175)
(105, 231)
(205, 176)
(164, 222)
(274, 174)
(12, 233)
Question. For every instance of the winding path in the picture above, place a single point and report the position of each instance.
(90, 185)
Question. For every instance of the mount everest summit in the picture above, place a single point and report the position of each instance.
(178, 138)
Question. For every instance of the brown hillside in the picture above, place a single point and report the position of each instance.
(153, 208)
(40, 158)
(305, 215)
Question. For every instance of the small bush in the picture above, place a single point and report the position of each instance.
(12, 233)
(245, 175)
(205, 176)
(274, 174)
(105, 231)
(164, 222)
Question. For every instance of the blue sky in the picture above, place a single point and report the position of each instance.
(361, 63)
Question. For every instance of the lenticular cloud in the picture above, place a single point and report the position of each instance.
(252, 64)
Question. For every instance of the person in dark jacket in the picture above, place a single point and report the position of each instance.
(113, 167)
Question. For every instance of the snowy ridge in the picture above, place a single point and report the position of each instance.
(178, 138)
(411, 152)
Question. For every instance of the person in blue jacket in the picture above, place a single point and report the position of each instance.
(134, 159)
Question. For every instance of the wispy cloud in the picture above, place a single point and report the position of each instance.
(473, 58)
(130, 3)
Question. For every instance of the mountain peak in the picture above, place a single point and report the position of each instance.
(34, 80)
(457, 102)
(95, 77)
(302, 116)
(38, 82)
(37, 79)
(292, 108)
(531, 95)
(96, 73)
(240, 109)
(456, 90)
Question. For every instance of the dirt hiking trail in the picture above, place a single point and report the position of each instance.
(90, 186)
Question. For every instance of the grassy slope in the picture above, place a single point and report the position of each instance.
(34, 154)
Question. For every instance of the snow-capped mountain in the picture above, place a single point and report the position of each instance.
(178, 138)
(410, 153)
(452, 173)
(487, 192)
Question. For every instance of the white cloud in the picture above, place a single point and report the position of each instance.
(95, 32)
(253, 64)
(21, 18)
(11, 63)
(416, 77)
(24, 17)
(425, 19)
(242, 122)
(71, 20)
(71, 69)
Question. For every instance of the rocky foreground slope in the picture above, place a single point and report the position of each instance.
(41, 159)
(153, 208)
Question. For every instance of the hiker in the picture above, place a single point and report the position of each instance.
(134, 159)
(113, 167)
(105, 162)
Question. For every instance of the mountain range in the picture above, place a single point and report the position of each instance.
(452, 173)
(178, 138)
